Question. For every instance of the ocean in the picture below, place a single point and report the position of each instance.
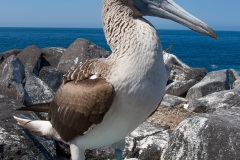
(194, 49)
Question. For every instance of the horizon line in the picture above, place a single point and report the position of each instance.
(182, 29)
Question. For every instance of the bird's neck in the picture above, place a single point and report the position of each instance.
(126, 31)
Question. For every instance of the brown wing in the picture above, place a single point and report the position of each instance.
(77, 106)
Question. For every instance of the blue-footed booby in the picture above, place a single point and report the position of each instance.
(103, 100)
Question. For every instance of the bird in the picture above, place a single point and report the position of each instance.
(103, 100)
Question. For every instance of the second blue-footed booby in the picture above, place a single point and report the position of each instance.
(103, 100)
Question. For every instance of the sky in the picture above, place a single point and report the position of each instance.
(219, 14)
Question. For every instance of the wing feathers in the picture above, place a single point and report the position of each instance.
(77, 106)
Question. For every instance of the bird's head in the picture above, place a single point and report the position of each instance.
(170, 10)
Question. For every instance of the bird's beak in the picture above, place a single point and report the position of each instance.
(170, 10)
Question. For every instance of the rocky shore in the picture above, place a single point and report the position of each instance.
(197, 119)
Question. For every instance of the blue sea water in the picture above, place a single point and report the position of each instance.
(194, 49)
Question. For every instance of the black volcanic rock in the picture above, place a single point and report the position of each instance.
(5, 55)
(213, 136)
(17, 143)
(219, 100)
(236, 84)
(178, 73)
(213, 82)
(11, 78)
(171, 101)
(52, 77)
(53, 55)
(180, 88)
(80, 51)
(36, 91)
(171, 59)
(30, 58)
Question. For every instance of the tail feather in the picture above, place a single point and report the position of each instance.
(42, 107)
(37, 127)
